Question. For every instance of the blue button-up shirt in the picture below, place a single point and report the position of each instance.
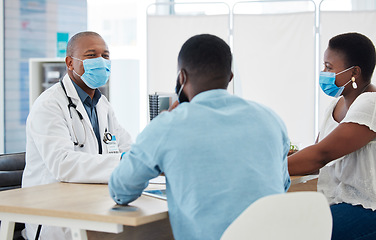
(90, 105)
(219, 154)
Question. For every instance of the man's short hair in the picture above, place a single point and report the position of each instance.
(72, 42)
(358, 51)
(206, 55)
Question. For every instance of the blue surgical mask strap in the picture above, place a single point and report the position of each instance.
(77, 58)
(346, 83)
(73, 69)
(343, 72)
(76, 73)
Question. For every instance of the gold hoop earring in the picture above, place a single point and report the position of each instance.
(354, 85)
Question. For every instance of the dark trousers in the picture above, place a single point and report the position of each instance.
(353, 222)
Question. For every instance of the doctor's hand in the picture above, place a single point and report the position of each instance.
(173, 106)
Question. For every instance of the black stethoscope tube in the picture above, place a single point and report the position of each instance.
(72, 105)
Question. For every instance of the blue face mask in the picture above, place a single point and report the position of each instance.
(97, 72)
(327, 81)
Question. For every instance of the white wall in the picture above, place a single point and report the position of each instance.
(275, 59)
(166, 35)
(125, 92)
(124, 30)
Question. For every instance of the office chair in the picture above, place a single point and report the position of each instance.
(11, 170)
(289, 216)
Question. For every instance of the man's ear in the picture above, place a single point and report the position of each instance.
(69, 63)
(231, 77)
(183, 76)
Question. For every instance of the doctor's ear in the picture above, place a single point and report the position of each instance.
(69, 63)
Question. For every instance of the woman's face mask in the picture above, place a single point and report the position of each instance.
(327, 81)
(97, 71)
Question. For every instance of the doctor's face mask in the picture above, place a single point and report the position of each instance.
(97, 71)
(327, 81)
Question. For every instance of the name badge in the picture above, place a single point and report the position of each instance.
(112, 146)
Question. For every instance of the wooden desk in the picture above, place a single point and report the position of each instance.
(84, 207)
(80, 207)
(303, 183)
(302, 179)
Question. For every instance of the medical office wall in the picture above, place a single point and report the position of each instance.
(30, 31)
(277, 47)
(168, 32)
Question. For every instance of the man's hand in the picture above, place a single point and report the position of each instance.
(173, 106)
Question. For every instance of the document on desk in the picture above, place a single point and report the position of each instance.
(161, 193)
(158, 180)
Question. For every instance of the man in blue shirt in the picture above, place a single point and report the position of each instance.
(219, 152)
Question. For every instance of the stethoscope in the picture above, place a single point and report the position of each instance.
(72, 105)
(107, 137)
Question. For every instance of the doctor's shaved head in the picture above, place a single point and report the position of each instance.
(71, 47)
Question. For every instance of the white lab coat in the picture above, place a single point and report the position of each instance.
(51, 155)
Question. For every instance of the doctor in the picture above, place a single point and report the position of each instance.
(72, 132)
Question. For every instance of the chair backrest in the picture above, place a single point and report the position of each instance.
(290, 216)
(11, 170)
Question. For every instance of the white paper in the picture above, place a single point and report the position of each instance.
(158, 180)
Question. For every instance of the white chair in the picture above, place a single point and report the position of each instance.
(290, 216)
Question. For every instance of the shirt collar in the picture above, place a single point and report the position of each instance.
(209, 94)
(85, 98)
